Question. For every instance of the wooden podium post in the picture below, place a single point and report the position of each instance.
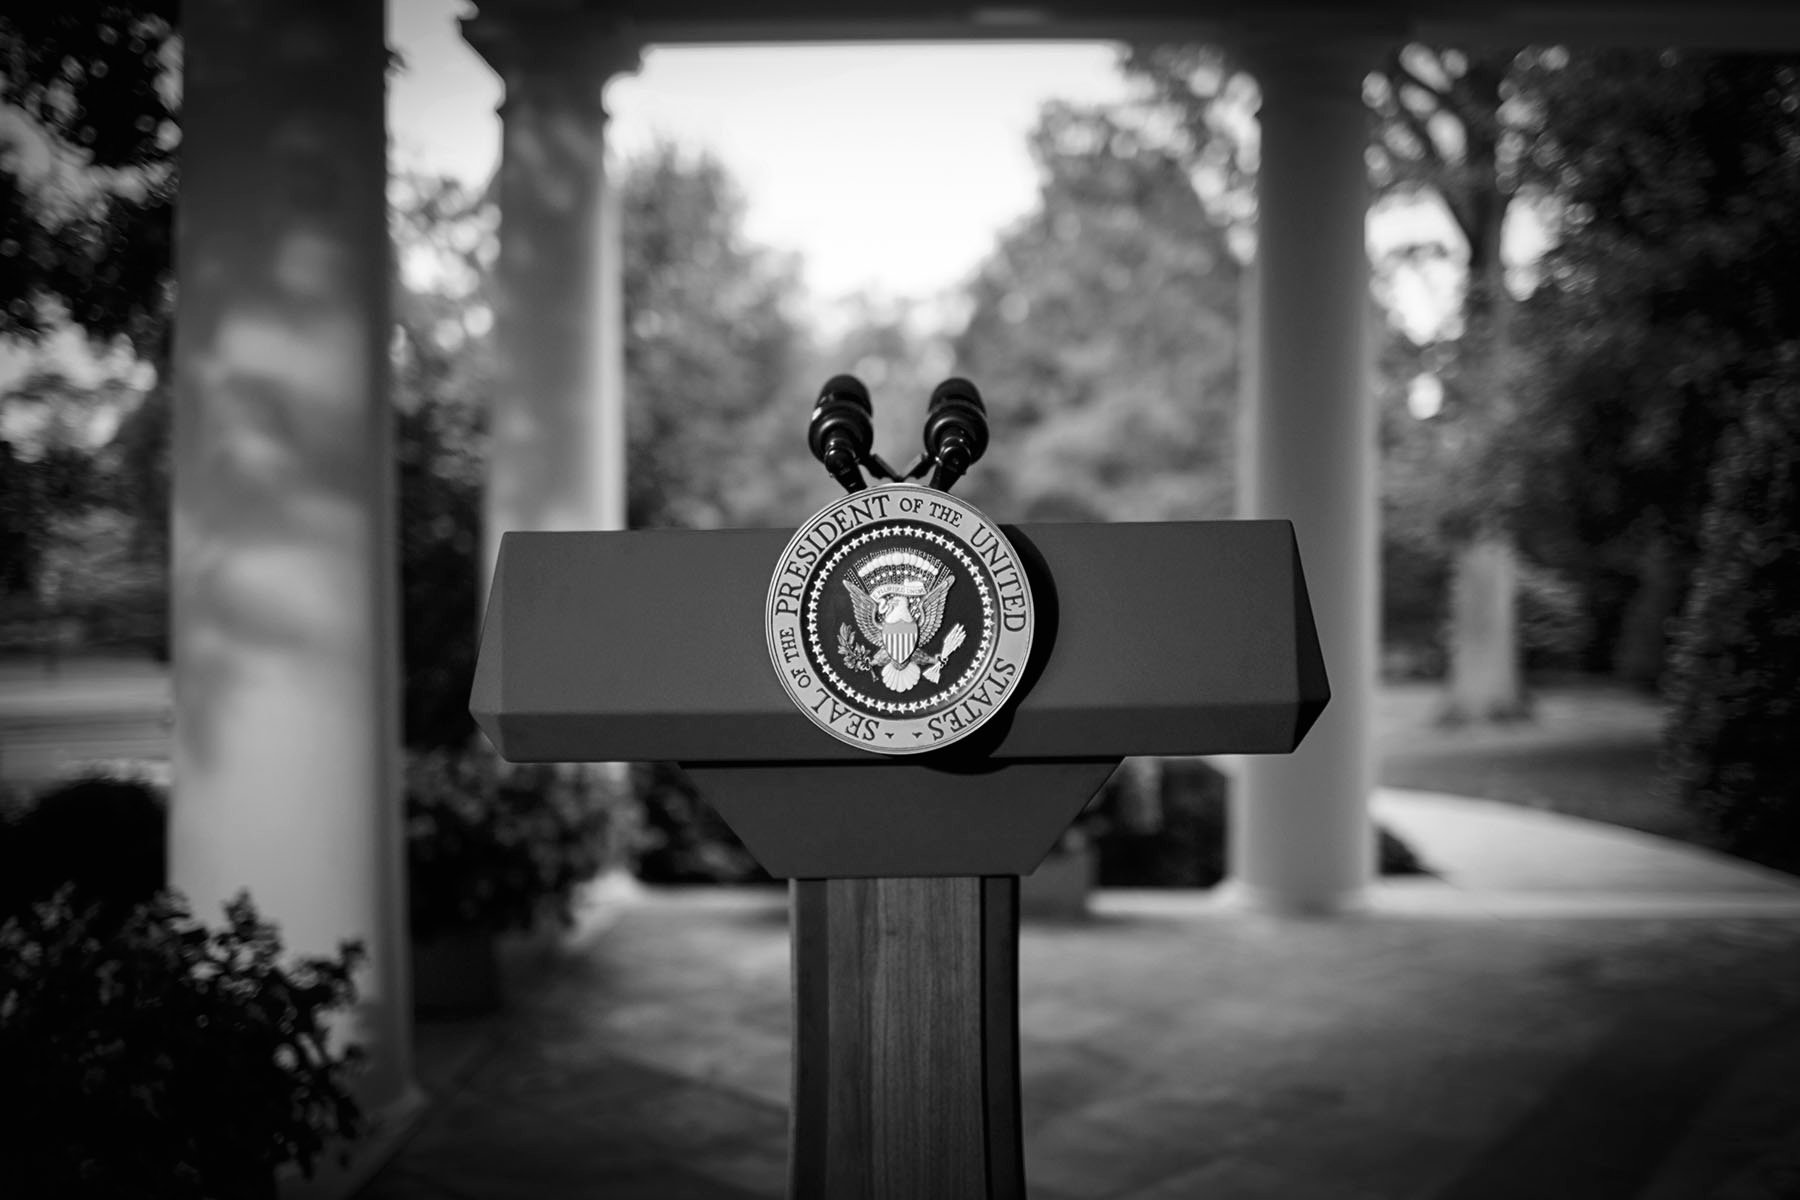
(906, 1060)
(1178, 638)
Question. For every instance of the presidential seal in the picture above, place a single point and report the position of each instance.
(899, 619)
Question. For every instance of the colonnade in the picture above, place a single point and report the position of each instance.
(284, 609)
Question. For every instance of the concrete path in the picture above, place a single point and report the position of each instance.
(1569, 1012)
(1500, 858)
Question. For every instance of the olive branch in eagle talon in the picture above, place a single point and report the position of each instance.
(854, 653)
(896, 624)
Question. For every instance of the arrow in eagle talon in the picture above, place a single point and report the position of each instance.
(951, 641)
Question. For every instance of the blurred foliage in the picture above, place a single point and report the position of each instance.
(443, 373)
(1672, 285)
(682, 839)
(1735, 694)
(47, 473)
(87, 100)
(113, 595)
(493, 847)
(1445, 129)
(79, 558)
(1666, 399)
(1555, 626)
(135, 464)
(1416, 554)
(1161, 822)
(33, 495)
(88, 96)
(1586, 418)
(710, 349)
(73, 548)
(1103, 333)
(155, 1057)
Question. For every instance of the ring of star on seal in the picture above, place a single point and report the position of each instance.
(899, 619)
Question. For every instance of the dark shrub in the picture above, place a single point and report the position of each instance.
(439, 531)
(1733, 736)
(1166, 827)
(1172, 837)
(1554, 626)
(153, 1059)
(683, 840)
(103, 835)
(1415, 580)
(489, 846)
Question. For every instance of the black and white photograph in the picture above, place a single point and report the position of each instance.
(899, 600)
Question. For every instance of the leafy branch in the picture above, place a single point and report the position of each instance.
(854, 653)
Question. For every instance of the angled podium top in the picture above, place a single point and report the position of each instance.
(1155, 638)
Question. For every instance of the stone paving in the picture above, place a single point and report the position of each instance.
(1173, 1048)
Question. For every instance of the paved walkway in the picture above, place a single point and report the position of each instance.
(1570, 1010)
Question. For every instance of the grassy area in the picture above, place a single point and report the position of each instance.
(1590, 750)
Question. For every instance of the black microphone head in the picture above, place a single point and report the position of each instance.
(956, 415)
(847, 387)
(842, 429)
(956, 388)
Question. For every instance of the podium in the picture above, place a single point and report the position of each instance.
(1173, 638)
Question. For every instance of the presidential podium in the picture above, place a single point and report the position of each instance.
(1161, 639)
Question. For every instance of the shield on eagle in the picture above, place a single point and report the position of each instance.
(898, 597)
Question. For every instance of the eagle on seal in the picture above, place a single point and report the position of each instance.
(898, 622)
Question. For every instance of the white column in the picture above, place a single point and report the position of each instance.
(557, 440)
(283, 571)
(1301, 840)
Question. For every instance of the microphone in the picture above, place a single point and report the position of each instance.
(842, 429)
(956, 431)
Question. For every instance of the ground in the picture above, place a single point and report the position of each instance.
(1171, 1050)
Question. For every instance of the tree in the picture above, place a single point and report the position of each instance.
(1668, 381)
(1669, 288)
(67, 560)
(48, 474)
(1103, 331)
(710, 344)
(443, 374)
(707, 346)
(86, 202)
(1446, 129)
(87, 196)
(1735, 692)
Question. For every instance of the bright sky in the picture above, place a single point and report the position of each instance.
(890, 168)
